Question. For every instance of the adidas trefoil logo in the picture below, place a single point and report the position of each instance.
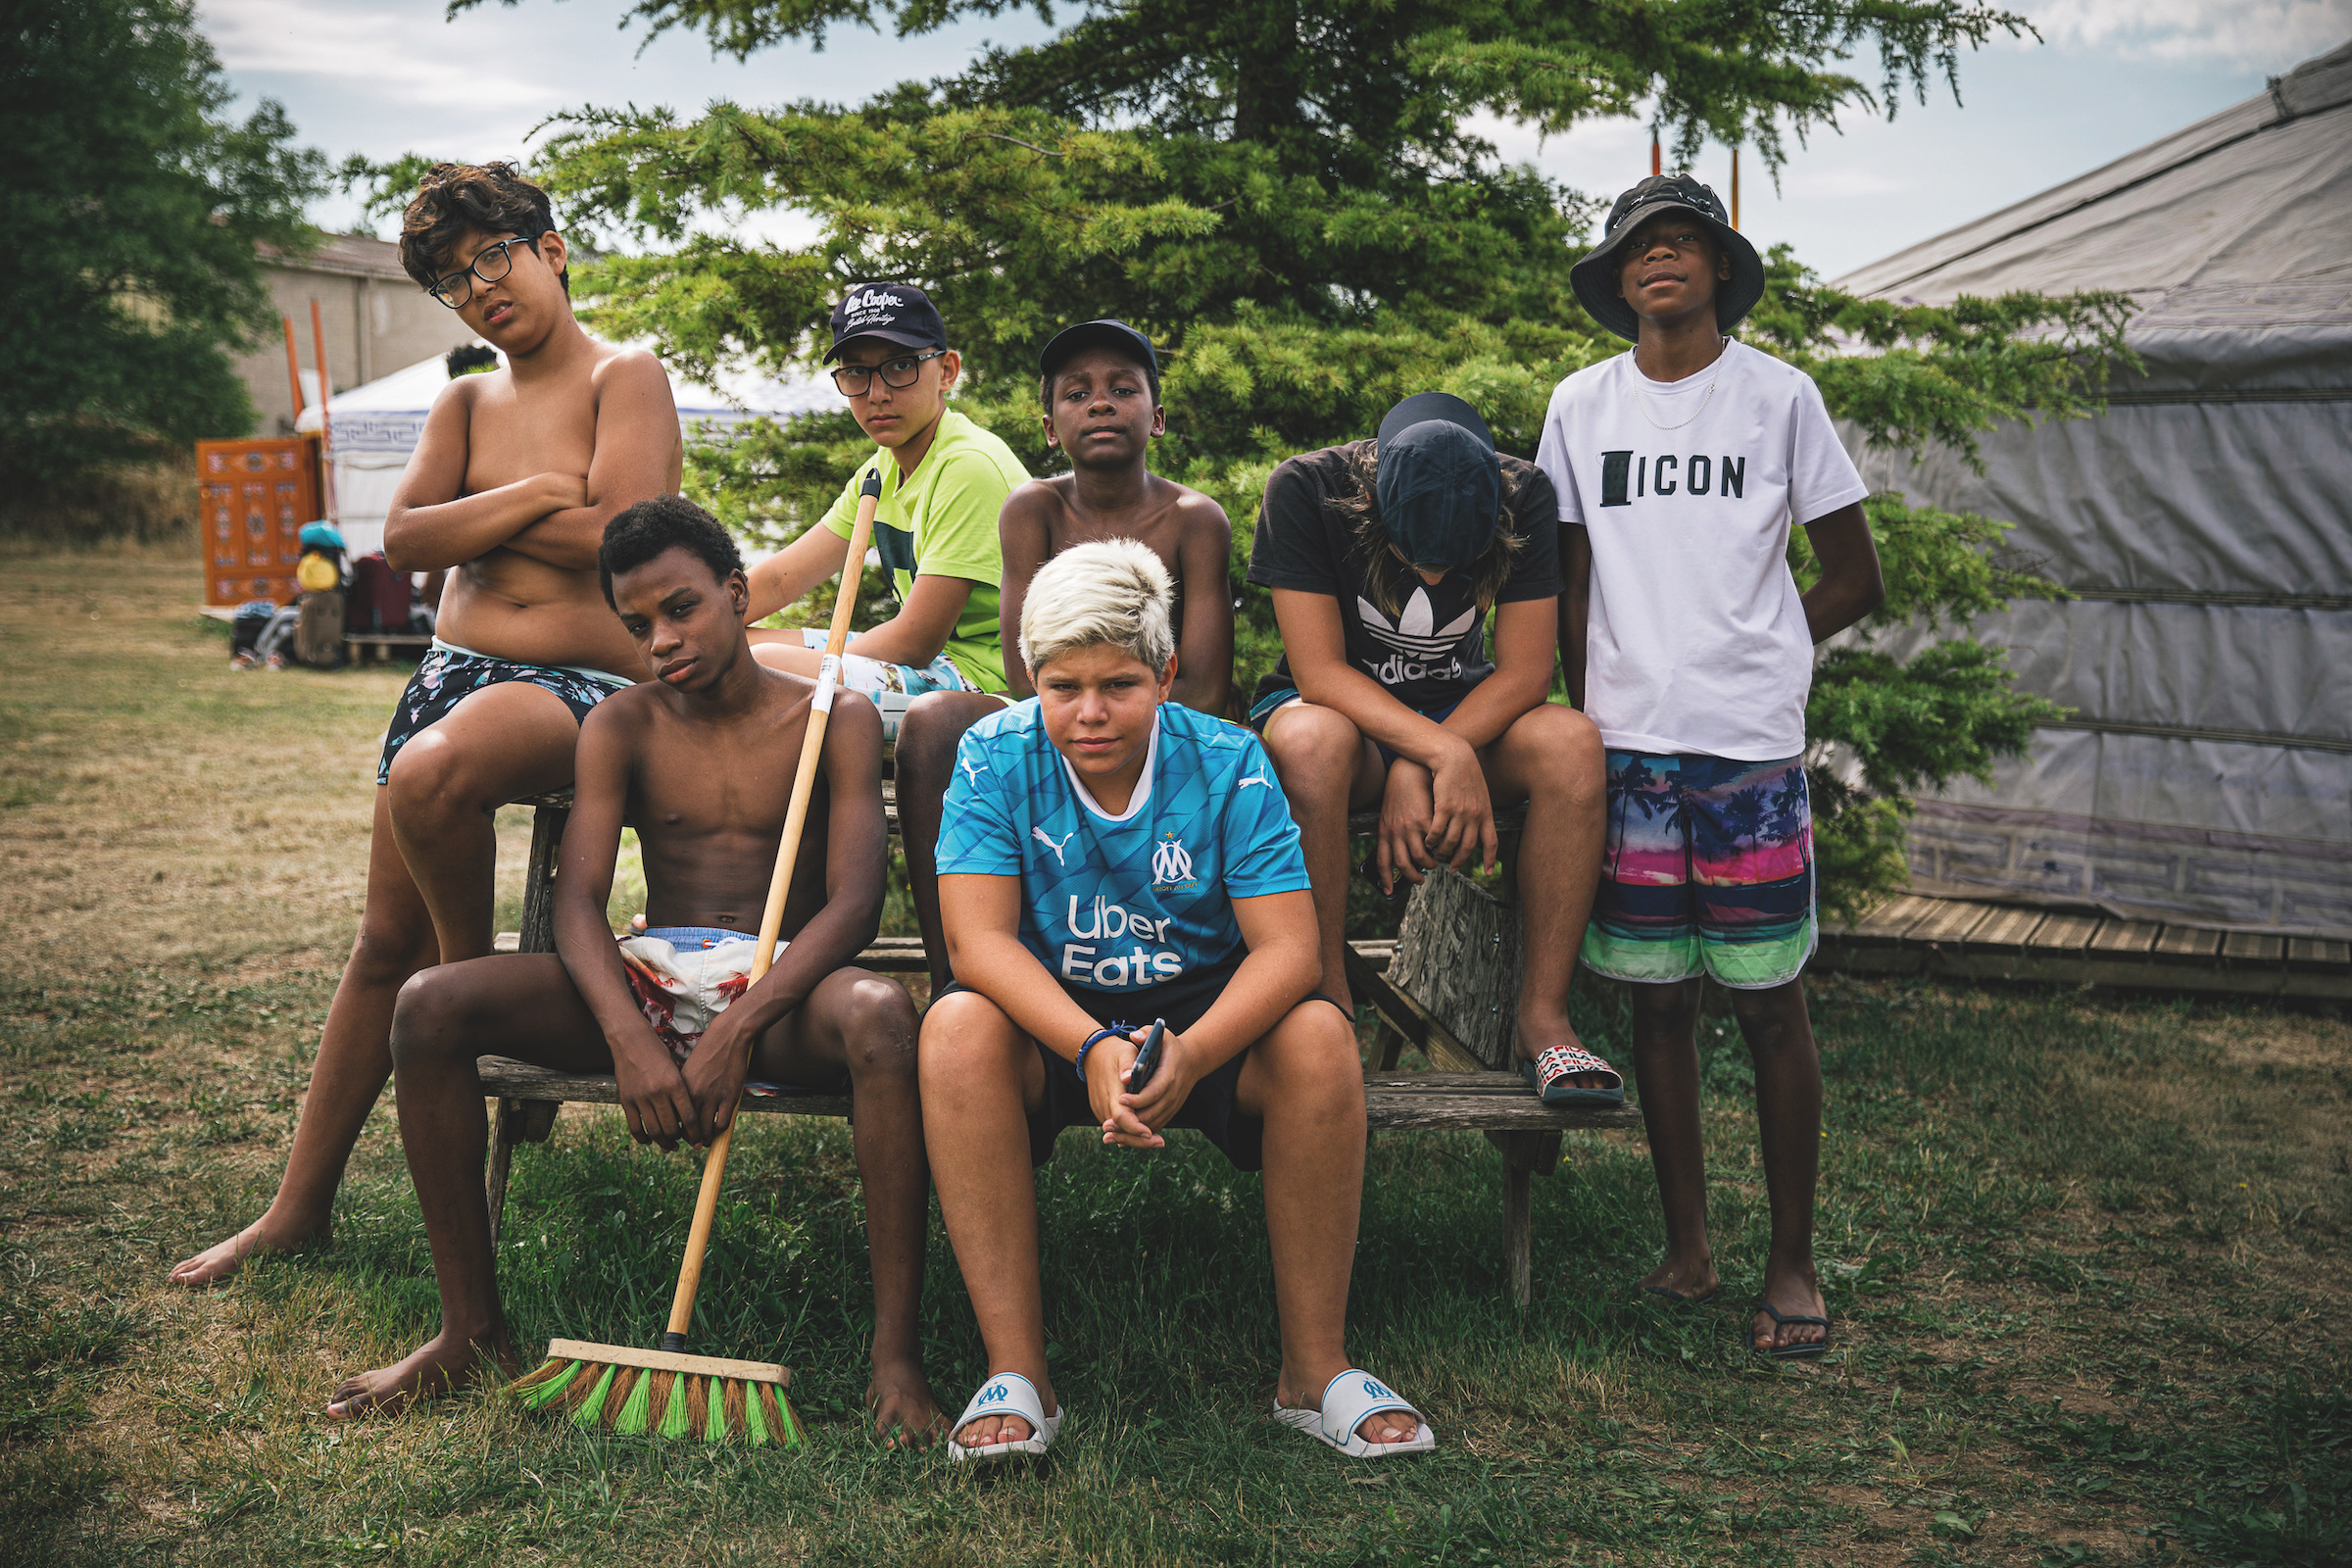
(1413, 632)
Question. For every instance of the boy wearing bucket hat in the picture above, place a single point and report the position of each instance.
(943, 479)
(1099, 388)
(1680, 467)
(1384, 557)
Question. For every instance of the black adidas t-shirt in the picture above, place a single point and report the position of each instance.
(1433, 650)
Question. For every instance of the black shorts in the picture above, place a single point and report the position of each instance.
(1182, 1001)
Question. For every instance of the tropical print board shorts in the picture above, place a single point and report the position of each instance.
(449, 675)
(1707, 868)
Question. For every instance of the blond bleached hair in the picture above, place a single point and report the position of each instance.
(1116, 593)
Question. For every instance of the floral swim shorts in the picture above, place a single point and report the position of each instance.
(449, 675)
(684, 976)
(1706, 868)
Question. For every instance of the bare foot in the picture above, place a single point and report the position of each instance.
(1380, 1426)
(906, 1416)
(1795, 1295)
(222, 1260)
(1690, 1280)
(443, 1364)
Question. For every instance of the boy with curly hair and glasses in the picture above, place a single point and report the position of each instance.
(510, 489)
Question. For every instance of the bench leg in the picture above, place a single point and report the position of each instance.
(539, 880)
(514, 1121)
(1523, 1154)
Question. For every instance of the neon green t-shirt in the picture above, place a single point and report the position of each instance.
(940, 520)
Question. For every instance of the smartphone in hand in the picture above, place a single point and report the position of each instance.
(1147, 1060)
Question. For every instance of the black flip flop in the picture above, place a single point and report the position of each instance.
(1807, 1350)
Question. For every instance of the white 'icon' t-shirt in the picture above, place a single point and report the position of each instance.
(1695, 639)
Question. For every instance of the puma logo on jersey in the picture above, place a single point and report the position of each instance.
(970, 772)
(1038, 834)
(1254, 778)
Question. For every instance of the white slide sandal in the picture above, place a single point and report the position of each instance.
(1346, 1401)
(1008, 1394)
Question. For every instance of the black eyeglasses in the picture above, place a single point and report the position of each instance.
(856, 381)
(490, 264)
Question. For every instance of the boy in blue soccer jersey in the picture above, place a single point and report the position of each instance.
(1110, 859)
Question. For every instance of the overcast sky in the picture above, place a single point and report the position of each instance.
(387, 76)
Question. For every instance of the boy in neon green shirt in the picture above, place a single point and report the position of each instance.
(943, 480)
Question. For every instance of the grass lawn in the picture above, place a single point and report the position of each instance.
(2088, 1257)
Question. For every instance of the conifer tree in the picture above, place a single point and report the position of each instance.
(1292, 197)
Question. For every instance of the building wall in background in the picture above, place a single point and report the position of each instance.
(376, 321)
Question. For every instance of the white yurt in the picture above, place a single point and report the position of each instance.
(371, 429)
(2203, 522)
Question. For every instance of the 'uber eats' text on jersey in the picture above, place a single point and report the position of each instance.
(1128, 901)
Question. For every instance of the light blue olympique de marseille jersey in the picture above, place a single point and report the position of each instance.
(1121, 902)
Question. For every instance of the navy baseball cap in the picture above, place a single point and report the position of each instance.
(1439, 483)
(895, 313)
(1595, 278)
(1107, 333)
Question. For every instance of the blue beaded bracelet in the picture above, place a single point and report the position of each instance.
(1117, 1031)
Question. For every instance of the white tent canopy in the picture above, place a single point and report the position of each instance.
(374, 427)
(2204, 524)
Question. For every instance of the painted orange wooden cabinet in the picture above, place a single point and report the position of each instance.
(253, 497)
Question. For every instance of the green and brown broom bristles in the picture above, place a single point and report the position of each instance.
(703, 1402)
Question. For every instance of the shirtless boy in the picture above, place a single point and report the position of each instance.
(511, 487)
(1100, 385)
(701, 758)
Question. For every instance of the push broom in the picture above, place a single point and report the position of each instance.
(668, 1393)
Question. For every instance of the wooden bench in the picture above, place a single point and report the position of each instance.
(375, 647)
(1451, 926)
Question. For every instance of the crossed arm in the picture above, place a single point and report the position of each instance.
(554, 517)
(982, 914)
(663, 1103)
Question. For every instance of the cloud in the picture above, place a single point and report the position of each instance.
(2269, 35)
(380, 50)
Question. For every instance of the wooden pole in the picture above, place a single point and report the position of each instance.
(293, 365)
(327, 439)
(1657, 160)
(1735, 187)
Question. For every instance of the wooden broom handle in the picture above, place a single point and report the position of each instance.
(772, 918)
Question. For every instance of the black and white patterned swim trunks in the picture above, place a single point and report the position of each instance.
(449, 675)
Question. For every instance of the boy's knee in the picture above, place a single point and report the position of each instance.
(1315, 1054)
(965, 1038)
(427, 1021)
(1568, 742)
(384, 957)
(878, 1027)
(1670, 1005)
(433, 778)
(1312, 746)
(1773, 1019)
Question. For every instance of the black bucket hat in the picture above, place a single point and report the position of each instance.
(1595, 278)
